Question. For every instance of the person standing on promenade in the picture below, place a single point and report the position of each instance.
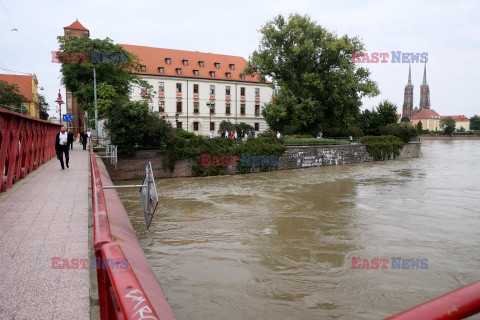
(84, 138)
(70, 139)
(88, 136)
(61, 146)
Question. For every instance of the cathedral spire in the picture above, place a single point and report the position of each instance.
(409, 74)
(425, 75)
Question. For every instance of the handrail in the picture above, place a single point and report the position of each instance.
(121, 296)
(26, 143)
(459, 304)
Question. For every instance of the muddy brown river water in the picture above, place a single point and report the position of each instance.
(285, 244)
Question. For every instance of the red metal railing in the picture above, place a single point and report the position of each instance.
(458, 304)
(121, 295)
(25, 144)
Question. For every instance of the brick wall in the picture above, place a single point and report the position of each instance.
(293, 158)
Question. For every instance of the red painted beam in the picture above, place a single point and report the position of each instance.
(459, 304)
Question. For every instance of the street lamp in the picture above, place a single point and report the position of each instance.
(60, 102)
(210, 105)
(176, 120)
(277, 124)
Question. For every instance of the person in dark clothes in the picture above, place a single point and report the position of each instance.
(62, 141)
(84, 138)
(70, 139)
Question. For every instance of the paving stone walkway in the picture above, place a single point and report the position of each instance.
(43, 217)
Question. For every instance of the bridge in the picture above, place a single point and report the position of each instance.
(69, 251)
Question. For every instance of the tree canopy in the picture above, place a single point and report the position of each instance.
(448, 125)
(320, 86)
(475, 123)
(10, 97)
(373, 120)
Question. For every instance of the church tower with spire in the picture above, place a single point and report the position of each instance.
(424, 92)
(408, 96)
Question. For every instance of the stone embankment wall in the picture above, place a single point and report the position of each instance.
(444, 137)
(293, 158)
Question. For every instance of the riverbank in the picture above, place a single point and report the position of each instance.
(446, 137)
(295, 157)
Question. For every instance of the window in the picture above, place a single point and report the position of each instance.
(257, 109)
(227, 108)
(201, 64)
(195, 88)
(242, 109)
(195, 126)
(195, 72)
(212, 74)
(227, 90)
(257, 92)
(161, 70)
(179, 124)
(196, 107)
(257, 126)
(161, 87)
(179, 70)
(212, 126)
(228, 74)
(143, 68)
(242, 76)
(179, 88)
(217, 65)
(161, 106)
(185, 62)
(212, 89)
(168, 60)
(242, 91)
(179, 106)
(232, 66)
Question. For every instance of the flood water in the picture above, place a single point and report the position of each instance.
(279, 245)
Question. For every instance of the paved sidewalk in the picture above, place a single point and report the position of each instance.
(45, 217)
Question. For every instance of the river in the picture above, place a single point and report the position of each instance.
(280, 245)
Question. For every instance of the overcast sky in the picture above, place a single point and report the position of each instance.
(449, 31)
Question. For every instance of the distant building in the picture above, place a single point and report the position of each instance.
(28, 87)
(460, 122)
(408, 110)
(429, 118)
(193, 87)
(424, 92)
(78, 124)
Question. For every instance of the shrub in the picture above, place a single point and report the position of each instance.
(383, 147)
(313, 141)
(404, 132)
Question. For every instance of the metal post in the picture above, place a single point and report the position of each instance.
(95, 97)
(149, 184)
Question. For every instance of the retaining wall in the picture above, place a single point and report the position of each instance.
(445, 137)
(295, 157)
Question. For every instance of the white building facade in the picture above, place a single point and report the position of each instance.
(197, 91)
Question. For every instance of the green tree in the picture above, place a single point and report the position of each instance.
(115, 79)
(475, 123)
(320, 86)
(43, 107)
(10, 97)
(448, 125)
(380, 116)
(419, 127)
(405, 119)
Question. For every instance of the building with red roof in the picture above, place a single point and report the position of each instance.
(28, 87)
(429, 118)
(193, 87)
(461, 121)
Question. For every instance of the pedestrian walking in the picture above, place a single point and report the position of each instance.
(226, 134)
(212, 135)
(61, 146)
(89, 134)
(84, 138)
(278, 134)
(235, 136)
(70, 139)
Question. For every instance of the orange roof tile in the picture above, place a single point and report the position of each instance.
(153, 58)
(426, 114)
(24, 84)
(456, 118)
(76, 26)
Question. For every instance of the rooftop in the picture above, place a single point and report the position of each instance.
(76, 26)
(426, 114)
(23, 82)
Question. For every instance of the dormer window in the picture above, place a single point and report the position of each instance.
(242, 76)
(160, 70)
(168, 60)
(228, 74)
(201, 64)
(179, 70)
(217, 65)
(195, 72)
(232, 66)
(143, 68)
(212, 74)
(185, 62)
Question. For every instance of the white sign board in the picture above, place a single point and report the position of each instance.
(148, 194)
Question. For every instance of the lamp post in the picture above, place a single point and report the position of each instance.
(210, 105)
(60, 102)
(277, 124)
(176, 120)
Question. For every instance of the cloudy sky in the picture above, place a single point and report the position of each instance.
(449, 31)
